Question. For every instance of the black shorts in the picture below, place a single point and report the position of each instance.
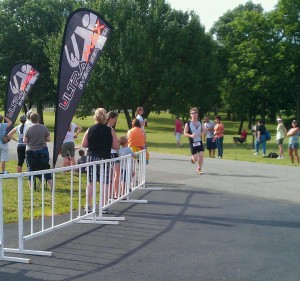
(196, 148)
(92, 158)
(21, 149)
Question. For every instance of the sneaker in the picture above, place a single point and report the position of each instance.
(199, 171)
(192, 161)
(5, 172)
(88, 209)
(278, 157)
(219, 157)
(264, 155)
(255, 153)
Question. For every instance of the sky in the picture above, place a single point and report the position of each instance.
(209, 11)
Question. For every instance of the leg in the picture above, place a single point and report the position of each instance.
(3, 166)
(257, 143)
(291, 155)
(296, 155)
(264, 147)
(200, 161)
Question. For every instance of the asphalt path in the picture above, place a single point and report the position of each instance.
(238, 221)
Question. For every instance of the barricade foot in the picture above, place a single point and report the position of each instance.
(28, 252)
(13, 259)
(136, 201)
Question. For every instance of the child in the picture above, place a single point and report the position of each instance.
(82, 160)
(125, 150)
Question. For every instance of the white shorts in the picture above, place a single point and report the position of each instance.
(178, 136)
(4, 152)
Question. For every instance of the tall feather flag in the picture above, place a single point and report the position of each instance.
(85, 35)
(22, 78)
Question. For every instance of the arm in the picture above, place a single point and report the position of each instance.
(11, 133)
(48, 137)
(8, 121)
(115, 144)
(85, 142)
(292, 132)
(186, 131)
(79, 129)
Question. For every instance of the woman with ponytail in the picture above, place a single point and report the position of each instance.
(20, 130)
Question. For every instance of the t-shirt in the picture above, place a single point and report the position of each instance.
(141, 119)
(70, 134)
(20, 132)
(178, 126)
(294, 139)
(280, 131)
(195, 129)
(100, 141)
(36, 135)
(219, 130)
(136, 137)
(3, 127)
(125, 151)
(209, 125)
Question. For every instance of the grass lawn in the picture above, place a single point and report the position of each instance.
(160, 138)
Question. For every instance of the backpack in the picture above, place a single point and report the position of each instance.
(273, 155)
(268, 136)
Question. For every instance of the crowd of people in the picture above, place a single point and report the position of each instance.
(213, 134)
(32, 139)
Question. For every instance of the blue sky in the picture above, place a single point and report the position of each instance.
(210, 10)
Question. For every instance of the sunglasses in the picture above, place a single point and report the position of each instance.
(193, 112)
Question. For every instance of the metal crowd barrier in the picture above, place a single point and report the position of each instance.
(37, 203)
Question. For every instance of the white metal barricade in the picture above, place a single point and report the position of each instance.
(113, 181)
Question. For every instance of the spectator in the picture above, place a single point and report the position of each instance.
(260, 138)
(4, 146)
(242, 138)
(21, 147)
(125, 150)
(139, 115)
(194, 131)
(112, 118)
(219, 135)
(280, 135)
(82, 160)
(36, 137)
(99, 139)
(294, 134)
(68, 146)
(136, 138)
(178, 131)
(210, 144)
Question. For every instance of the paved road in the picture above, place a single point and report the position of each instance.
(238, 222)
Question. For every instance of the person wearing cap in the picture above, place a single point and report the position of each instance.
(293, 146)
(280, 135)
(21, 147)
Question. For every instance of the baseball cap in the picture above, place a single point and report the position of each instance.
(23, 118)
(278, 119)
(294, 121)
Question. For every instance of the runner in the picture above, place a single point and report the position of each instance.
(194, 131)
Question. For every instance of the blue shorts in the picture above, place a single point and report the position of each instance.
(294, 146)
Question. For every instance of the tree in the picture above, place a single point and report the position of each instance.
(27, 27)
(156, 57)
(247, 88)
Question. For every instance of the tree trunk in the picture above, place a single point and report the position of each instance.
(128, 119)
(241, 126)
(39, 109)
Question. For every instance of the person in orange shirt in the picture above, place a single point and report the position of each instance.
(136, 138)
(219, 135)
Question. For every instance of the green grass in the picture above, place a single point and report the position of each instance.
(160, 138)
